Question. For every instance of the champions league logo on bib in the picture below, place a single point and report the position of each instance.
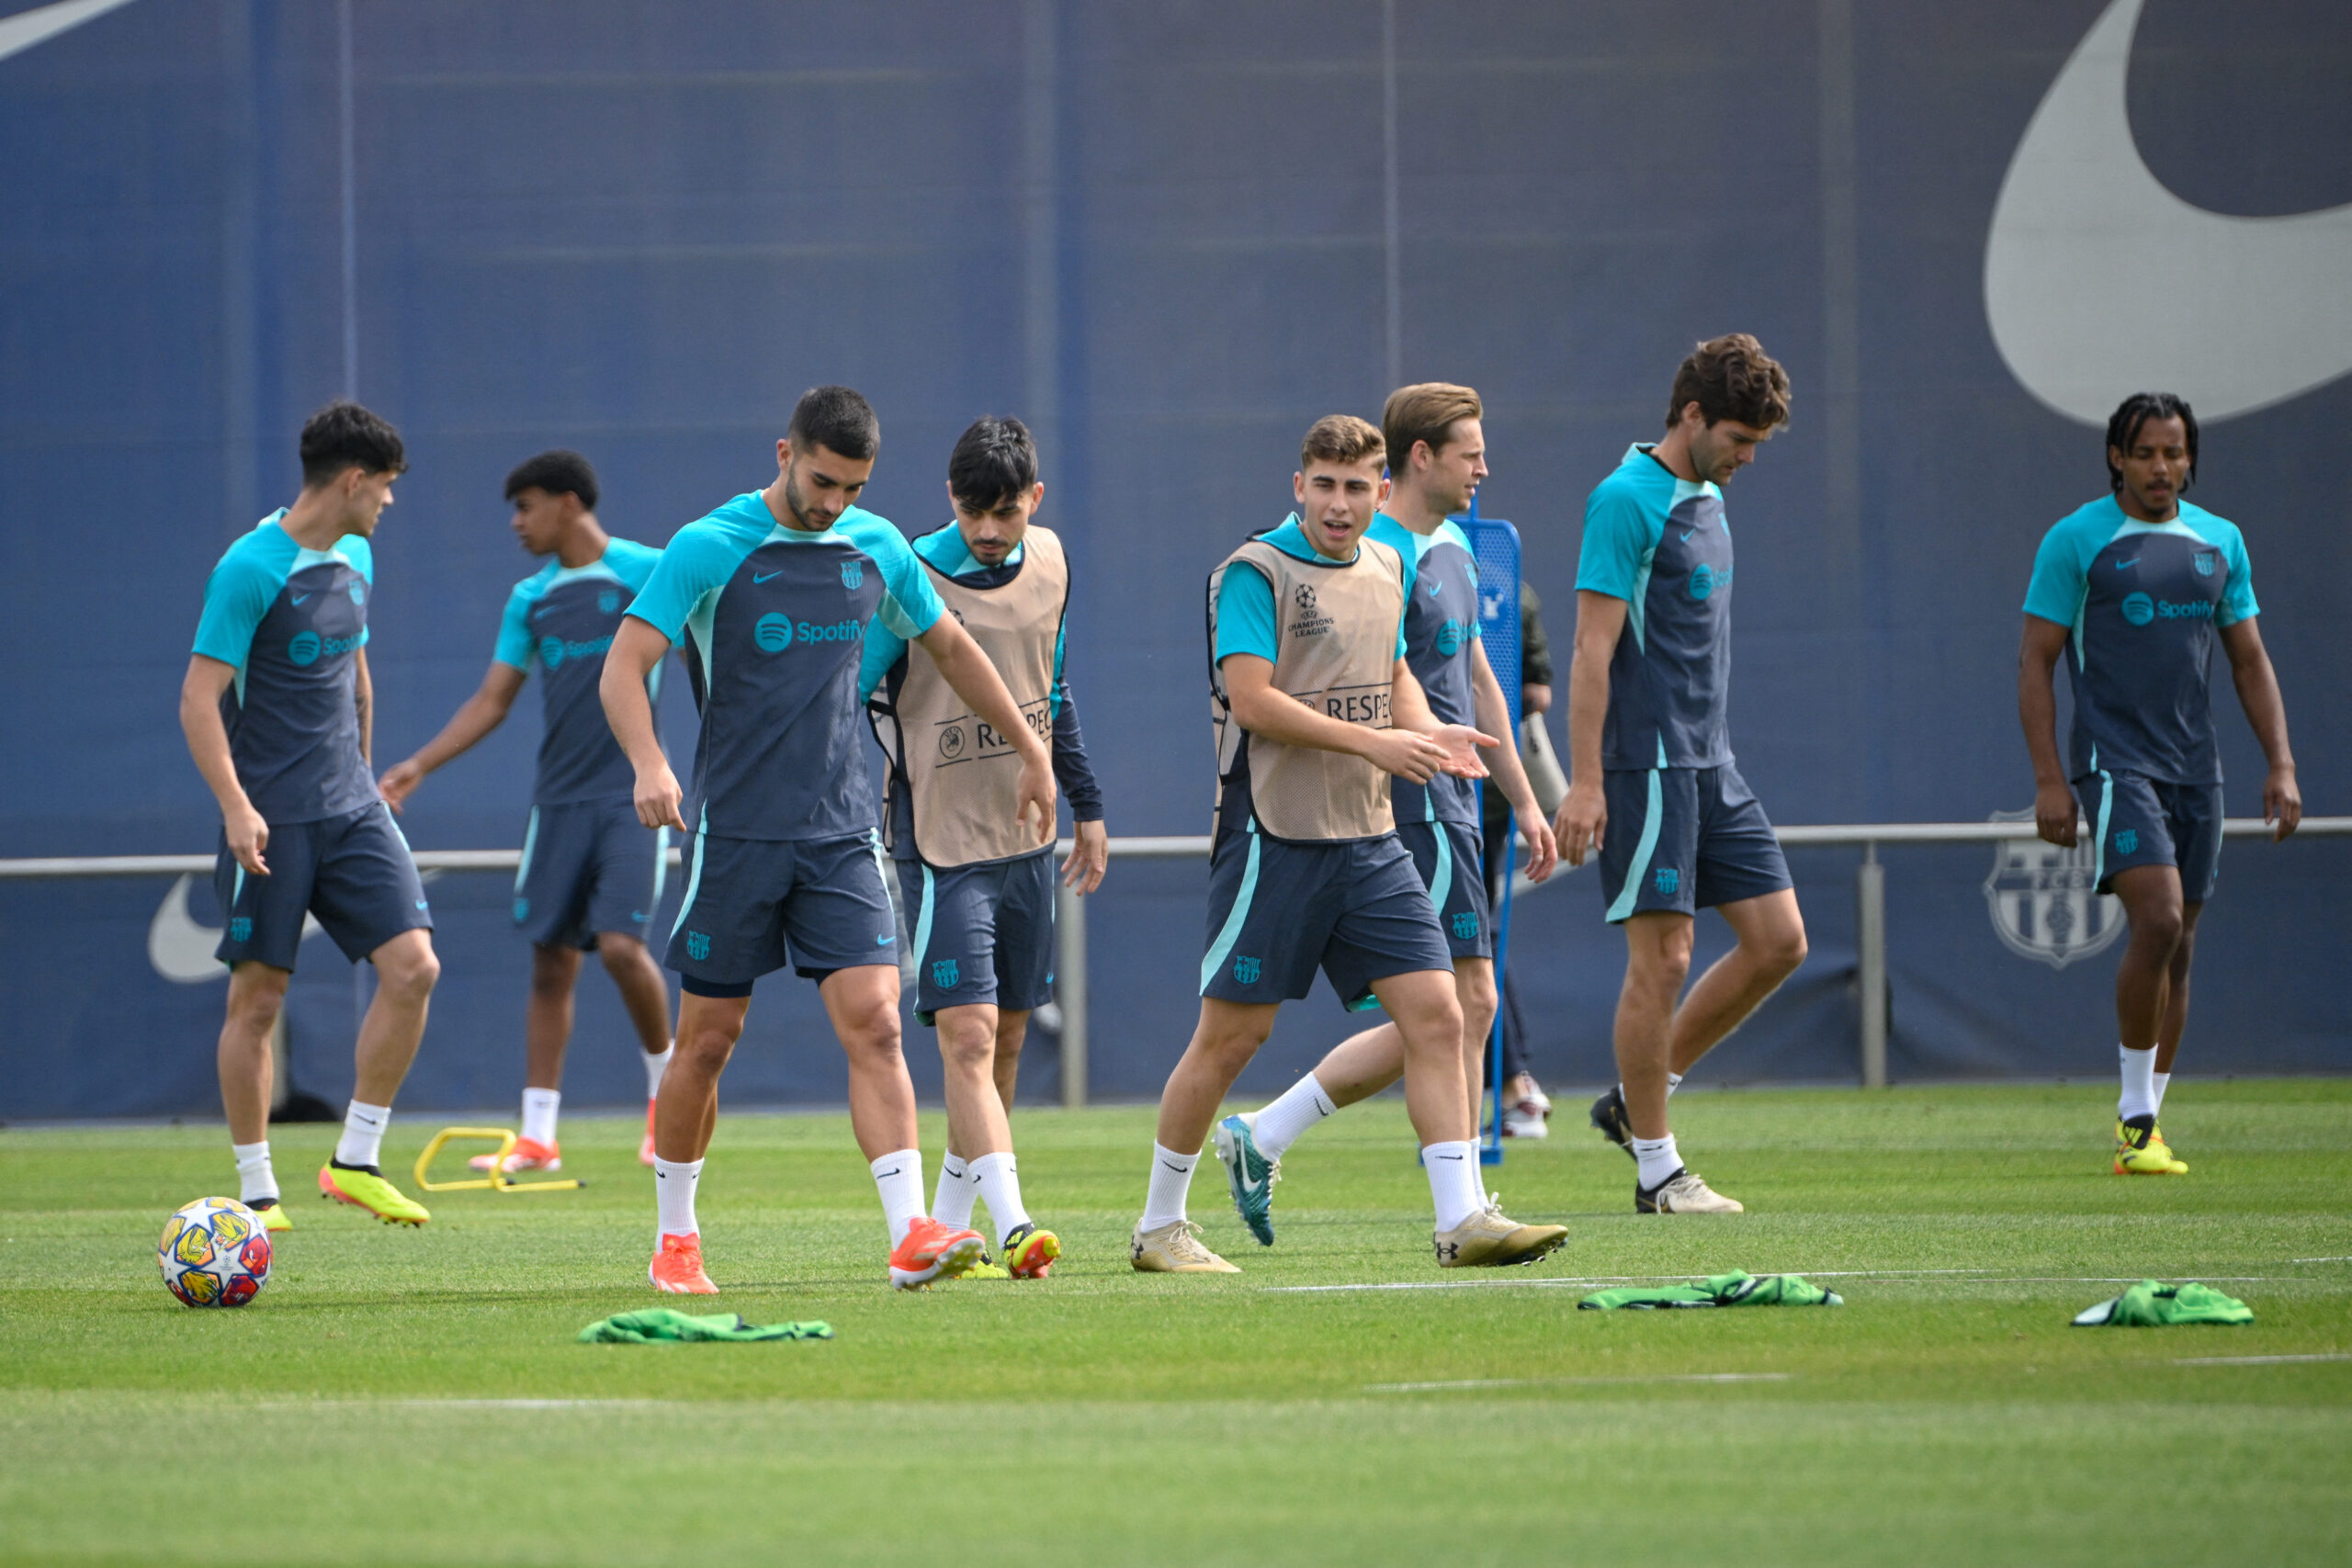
(2040, 899)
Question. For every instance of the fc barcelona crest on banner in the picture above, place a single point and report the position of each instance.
(2041, 899)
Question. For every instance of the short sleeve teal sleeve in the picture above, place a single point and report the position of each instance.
(702, 558)
(2055, 591)
(909, 603)
(360, 554)
(2237, 598)
(514, 643)
(237, 596)
(884, 649)
(1617, 535)
(1245, 615)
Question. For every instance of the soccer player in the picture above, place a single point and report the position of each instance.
(1652, 785)
(2134, 588)
(772, 593)
(591, 874)
(278, 712)
(1314, 701)
(1437, 455)
(979, 886)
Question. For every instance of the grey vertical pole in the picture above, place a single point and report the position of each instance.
(1870, 892)
(1069, 981)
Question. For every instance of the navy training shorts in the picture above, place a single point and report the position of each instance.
(352, 871)
(753, 905)
(1683, 839)
(1279, 911)
(981, 933)
(589, 866)
(2137, 820)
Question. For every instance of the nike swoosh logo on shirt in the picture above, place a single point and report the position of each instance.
(1687, 533)
(2121, 564)
(299, 597)
(2252, 305)
(763, 577)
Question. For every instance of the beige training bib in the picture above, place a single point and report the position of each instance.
(1335, 643)
(961, 775)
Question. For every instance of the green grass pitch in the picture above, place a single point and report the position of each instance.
(404, 1398)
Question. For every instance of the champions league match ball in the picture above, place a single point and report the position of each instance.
(214, 1253)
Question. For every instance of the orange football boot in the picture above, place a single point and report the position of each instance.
(676, 1269)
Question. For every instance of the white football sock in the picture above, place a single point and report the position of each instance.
(656, 1063)
(1673, 1082)
(363, 1134)
(952, 1206)
(1301, 1105)
(1171, 1178)
(538, 1113)
(1453, 1182)
(674, 1182)
(899, 1179)
(2138, 1097)
(255, 1179)
(1657, 1160)
(2159, 1079)
(998, 1177)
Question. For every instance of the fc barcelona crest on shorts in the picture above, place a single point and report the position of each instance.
(1246, 969)
(1465, 924)
(2042, 901)
(944, 974)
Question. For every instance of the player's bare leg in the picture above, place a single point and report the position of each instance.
(646, 995)
(980, 1163)
(1658, 961)
(547, 1017)
(406, 971)
(1771, 932)
(256, 996)
(2151, 1009)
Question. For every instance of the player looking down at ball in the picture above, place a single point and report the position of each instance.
(1652, 783)
(771, 596)
(591, 874)
(977, 885)
(1315, 708)
(2133, 589)
(1437, 455)
(278, 713)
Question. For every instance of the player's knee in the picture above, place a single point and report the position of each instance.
(1782, 951)
(410, 973)
(621, 956)
(2160, 926)
(256, 996)
(966, 1045)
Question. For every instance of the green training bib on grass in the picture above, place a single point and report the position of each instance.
(667, 1325)
(2152, 1303)
(1734, 1289)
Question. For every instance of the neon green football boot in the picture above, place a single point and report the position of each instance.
(2140, 1150)
(364, 1189)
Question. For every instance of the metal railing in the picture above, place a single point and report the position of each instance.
(1870, 892)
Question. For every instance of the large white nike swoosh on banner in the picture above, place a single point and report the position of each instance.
(26, 28)
(181, 948)
(2099, 282)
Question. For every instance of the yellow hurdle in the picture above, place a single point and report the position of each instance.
(497, 1180)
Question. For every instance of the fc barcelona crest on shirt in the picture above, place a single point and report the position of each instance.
(2040, 899)
(2205, 559)
(852, 573)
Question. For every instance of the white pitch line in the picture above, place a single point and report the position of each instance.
(2260, 1360)
(1555, 1383)
(1975, 1277)
(2320, 1260)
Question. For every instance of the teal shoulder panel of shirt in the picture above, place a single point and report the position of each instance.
(1407, 545)
(514, 640)
(2237, 598)
(1624, 517)
(700, 559)
(2061, 563)
(909, 605)
(631, 562)
(359, 553)
(239, 593)
(1244, 613)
